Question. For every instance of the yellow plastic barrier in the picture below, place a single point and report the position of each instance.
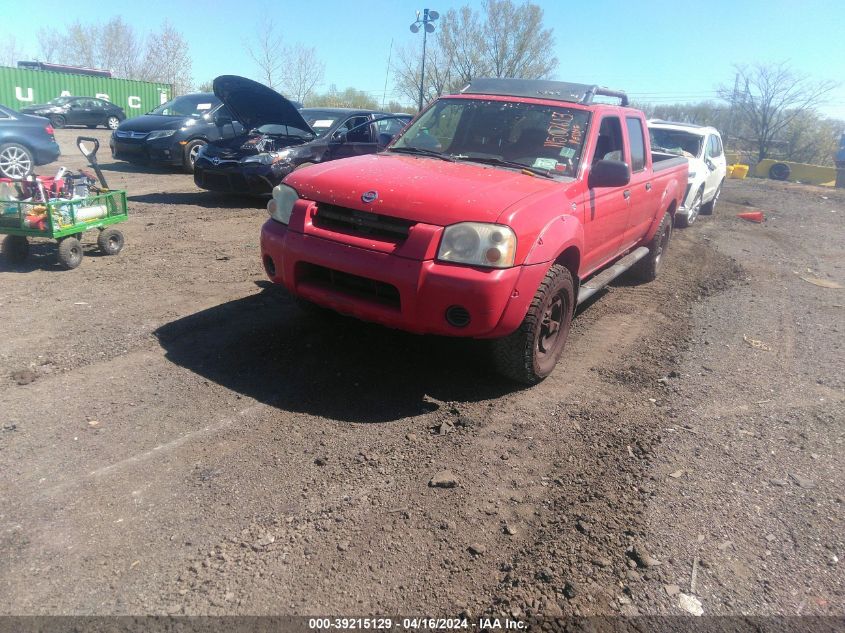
(802, 172)
(739, 171)
(730, 170)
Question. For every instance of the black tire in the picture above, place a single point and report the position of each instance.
(684, 221)
(112, 122)
(190, 155)
(70, 253)
(648, 267)
(779, 171)
(16, 161)
(110, 241)
(710, 207)
(15, 248)
(530, 353)
(58, 121)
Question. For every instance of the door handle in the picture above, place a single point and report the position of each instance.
(627, 193)
(648, 186)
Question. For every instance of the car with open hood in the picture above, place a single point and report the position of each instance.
(279, 137)
(87, 111)
(174, 132)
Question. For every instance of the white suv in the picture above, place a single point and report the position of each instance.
(702, 146)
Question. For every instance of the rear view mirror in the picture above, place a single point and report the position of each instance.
(609, 173)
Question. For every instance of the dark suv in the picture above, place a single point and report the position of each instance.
(279, 137)
(174, 132)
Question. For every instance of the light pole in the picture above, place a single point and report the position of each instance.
(427, 22)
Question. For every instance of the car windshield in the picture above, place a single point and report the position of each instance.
(505, 133)
(60, 100)
(676, 142)
(273, 129)
(189, 105)
(321, 121)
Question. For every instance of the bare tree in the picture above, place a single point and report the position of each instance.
(302, 72)
(267, 51)
(10, 52)
(504, 39)
(770, 98)
(167, 59)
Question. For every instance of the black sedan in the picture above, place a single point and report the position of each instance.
(87, 111)
(278, 138)
(25, 141)
(174, 132)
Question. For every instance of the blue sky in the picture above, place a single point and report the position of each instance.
(657, 51)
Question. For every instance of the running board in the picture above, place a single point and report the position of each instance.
(591, 287)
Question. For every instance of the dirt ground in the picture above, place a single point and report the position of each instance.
(176, 437)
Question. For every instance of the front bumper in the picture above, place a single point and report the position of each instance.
(164, 151)
(235, 177)
(381, 286)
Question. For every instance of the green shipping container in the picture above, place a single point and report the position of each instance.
(20, 87)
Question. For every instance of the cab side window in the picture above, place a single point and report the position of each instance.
(715, 147)
(637, 142)
(609, 145)
(362, 134)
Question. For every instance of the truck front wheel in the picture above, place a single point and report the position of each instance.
(530, 353)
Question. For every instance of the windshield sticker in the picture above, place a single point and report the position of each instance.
(545, 163)
(203, 106)
(323, 123)
(559, 129)
(576, 135)
(567, 152)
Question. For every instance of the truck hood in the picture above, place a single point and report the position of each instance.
(254, 104)
(420, 189)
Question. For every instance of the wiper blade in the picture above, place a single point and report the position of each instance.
(422, 152)
(492, 160)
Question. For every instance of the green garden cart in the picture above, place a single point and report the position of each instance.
(62, 209)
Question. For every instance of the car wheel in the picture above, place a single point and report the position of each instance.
(192, 150)
(15, 248)
(112, 122)
(15, 161)
(779, 171)
(710, 207)
(58, 120)
(683, 221)
(648, 267)
(110, 241)
(530, 353)
(70, 253)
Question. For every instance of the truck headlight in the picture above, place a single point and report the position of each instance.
(478, 244)
(281, 204)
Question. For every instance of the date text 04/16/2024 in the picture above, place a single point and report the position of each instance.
(417, 623)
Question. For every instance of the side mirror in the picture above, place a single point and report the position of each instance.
(338, 138)
(609, 173)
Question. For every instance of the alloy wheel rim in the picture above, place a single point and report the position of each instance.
(696, 209)
(14, 162)
(192, 156)
(113, 122)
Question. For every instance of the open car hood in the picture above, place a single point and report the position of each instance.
(254, 104)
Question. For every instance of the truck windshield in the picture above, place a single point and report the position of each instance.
(676, 142)
(507, 134)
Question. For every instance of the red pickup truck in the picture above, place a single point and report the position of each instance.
(491, 216)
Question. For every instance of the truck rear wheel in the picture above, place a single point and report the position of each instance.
(648, 267)
(530, 353)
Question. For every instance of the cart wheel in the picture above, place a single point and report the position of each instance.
(15, 248)
(70, 253)
(110, 241)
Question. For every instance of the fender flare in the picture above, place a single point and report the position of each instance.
(563, 232)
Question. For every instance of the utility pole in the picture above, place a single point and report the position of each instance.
(427, 22)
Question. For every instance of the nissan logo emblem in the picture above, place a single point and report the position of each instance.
(369, 196)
